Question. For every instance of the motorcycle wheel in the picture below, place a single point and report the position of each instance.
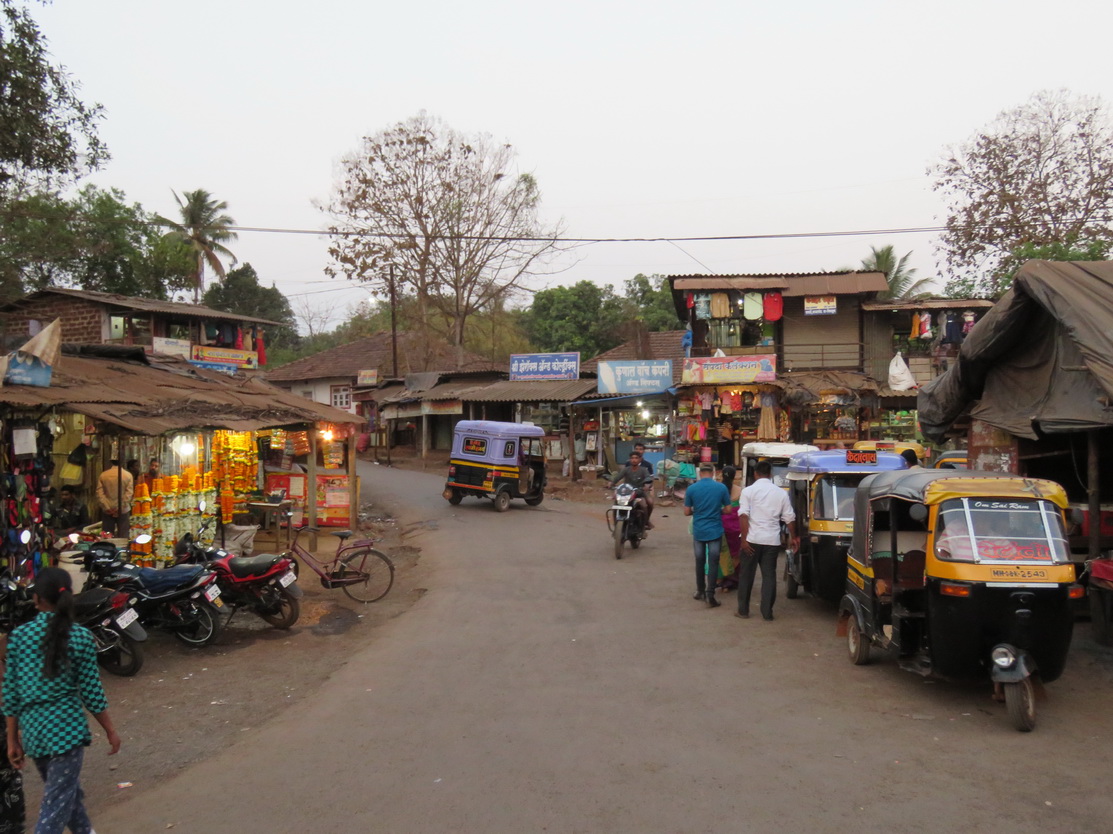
(619, 537)
(124, 658)
(283, 612)
(203, 624)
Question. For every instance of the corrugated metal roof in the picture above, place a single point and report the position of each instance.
(555, 391)
(930, 304)
(149, 305)
(789, 284)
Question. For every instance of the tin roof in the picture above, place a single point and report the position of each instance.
(788, 283)
(553, 391)
(127, 302)
(900, 305)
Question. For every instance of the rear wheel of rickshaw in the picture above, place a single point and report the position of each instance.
(456, 497)
(618, 538)
(502, 501)
(857, 647)
(533, 502)
(1020, 699)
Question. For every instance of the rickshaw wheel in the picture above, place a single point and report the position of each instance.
(618, 538)
(533, 502)
(502, 501)
(1020, 698)
(792, 587)
(456, 497)
(857, 647)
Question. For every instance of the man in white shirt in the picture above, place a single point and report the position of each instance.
(761, 509)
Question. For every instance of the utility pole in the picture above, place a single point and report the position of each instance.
(393, 324)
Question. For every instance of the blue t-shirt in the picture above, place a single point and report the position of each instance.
(707, 497)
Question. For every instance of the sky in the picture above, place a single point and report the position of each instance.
(638, 119)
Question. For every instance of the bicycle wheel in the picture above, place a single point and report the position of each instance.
(377, 571)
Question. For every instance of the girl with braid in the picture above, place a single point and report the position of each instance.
(51, 678)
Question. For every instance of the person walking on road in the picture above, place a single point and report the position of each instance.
(731, 530)
(51, 674)
(762, 508)
(705, 501)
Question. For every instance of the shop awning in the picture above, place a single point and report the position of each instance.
(625, 398)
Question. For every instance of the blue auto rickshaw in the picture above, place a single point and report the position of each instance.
(500, 461)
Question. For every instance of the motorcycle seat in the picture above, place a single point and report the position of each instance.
(244, 566)
(89, 601)
(167, 579)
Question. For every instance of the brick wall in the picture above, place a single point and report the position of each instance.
(81, 320)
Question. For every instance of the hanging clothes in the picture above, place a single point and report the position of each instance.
(767, 425)
(752, 306)
(773, 306)
(925, 325)
(703, 305)
(726, 406)
(260, 348)
(720, 305)
(239, 339)
(952, 330)
(968, 320)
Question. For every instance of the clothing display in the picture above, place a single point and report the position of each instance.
(773, 307)
(752, 306)
(720, 305)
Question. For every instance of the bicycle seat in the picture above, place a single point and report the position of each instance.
(342, 534)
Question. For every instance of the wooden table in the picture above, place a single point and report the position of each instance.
(273, 513)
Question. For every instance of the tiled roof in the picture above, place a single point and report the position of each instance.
(661, 345)
(150, 305)
(415, 355)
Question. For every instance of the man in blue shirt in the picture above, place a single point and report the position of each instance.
(705, 501)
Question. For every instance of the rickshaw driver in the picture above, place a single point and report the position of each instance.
(637, 476)
(954, 542)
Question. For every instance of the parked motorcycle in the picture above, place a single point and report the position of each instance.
(183, 600)
(626, 518)
(266, 584)
(112, 618)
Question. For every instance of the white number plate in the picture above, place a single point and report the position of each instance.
(287, 579)
(127, 618)
(212, 592)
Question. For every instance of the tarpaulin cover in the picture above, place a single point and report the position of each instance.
(1041, 358)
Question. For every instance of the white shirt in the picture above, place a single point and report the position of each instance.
(767, 505)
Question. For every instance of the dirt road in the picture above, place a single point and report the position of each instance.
(539, 684)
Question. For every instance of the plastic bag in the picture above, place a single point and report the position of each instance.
(900, 378)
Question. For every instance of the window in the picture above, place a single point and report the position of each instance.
(993, 530)
(341, 396)
(307, 394)
(834, 497)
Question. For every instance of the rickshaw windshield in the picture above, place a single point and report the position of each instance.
(780, 474)
(834, 497)
(997, 530)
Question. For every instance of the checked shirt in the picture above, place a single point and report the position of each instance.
(50, 710)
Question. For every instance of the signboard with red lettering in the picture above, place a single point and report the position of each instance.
(861, 457)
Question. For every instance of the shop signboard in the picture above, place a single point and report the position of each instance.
(647, 376)
(367, 377)
(172, 347)
(443, 407)
(820, 305)
(401, 412)
(332, 495)
(216, 366)
(541, 366)
(25, 369)
(226, 356)
(730, 370)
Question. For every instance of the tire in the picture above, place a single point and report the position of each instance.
(857, 647)
(792, 587)
(618, 538)
(456, 497)
(124, 658)
(287, 613)
(502, 501)
(1020, 699)
(533, 502)
(207, 625)
(380, 575)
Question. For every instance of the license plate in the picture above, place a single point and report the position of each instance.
(211, 593)
(287, 579)
(127, 618)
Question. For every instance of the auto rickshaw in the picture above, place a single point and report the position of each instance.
(500, 461)
(962, 574)
(897, 446)
(822, 494)
(778, 455)
(954, 459)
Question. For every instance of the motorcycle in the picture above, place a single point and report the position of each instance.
(112, 618)
(626, 518)
(183, 600)
(266, 584)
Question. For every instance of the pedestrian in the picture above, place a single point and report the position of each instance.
(762, 509)
(705, 501)
(51, 673)
(70, 515)
(150, 475)
(114, 492)
(12, 812)
(732, 532)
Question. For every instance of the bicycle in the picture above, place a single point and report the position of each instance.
(363, 573)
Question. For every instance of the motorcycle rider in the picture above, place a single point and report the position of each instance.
(637, 476)
(640, 449)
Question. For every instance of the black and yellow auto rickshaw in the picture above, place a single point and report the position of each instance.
(953, 459)
(822, 486)
(500, 461)
(962, 574)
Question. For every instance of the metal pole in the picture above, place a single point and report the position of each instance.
(1093, 491)
(393, 324)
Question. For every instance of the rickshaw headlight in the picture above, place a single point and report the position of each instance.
(1003, 657)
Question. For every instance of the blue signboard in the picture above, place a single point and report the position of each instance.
(647, 376)
(215, 366)
(540, 366)
(25, 369)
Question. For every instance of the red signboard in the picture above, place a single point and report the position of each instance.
(861, 457)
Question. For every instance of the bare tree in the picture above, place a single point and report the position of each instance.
(1039, 174)
(314, 320)
(459, 228)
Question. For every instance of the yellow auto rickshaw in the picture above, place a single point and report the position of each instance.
(898, 446)
(962, 574)
(822, 495)
(500, 461)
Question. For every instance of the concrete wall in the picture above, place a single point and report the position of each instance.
(992, 449)
(319, 390)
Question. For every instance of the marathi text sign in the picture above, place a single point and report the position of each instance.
(540, 366)
(226, 356)
(820, 305)
(172, 347)
(368, 377)
(715, 370)
(651, 376)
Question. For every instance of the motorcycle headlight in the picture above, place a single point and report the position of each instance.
(1003, 657)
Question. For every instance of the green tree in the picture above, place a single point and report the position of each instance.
(48, 135)
(651, 299)
(240, 292)
(584, 317)
(205, 228)
(1040, 174)
(902, 281)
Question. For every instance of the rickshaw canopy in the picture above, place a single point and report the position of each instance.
(805, 465)
(775, 450)
(491, 441)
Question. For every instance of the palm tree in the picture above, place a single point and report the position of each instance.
(204, 228)
(902, 281)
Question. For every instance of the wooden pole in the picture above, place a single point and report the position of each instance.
(311, 488)
(1093, 493)
(353, 484)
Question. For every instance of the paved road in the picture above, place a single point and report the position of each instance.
(540, 685)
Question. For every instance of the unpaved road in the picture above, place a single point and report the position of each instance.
(540, 685)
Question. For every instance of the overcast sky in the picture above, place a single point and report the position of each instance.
(639, 119)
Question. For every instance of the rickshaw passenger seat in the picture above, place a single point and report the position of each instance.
(910, 570)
